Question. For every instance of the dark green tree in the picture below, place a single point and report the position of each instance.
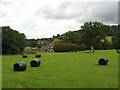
(93, 33)
(72, 37)
(13, 42)
(32, 43)
(116, 37)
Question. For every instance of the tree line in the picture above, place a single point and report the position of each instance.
(13, 42)
(91, 34)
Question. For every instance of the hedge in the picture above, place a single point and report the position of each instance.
(66, 47)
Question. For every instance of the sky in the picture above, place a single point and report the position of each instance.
(45, 18)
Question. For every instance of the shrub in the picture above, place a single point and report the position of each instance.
(66, 47)
(31, 51)
(104, 45)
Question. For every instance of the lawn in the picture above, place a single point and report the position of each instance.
(63, 70)
(0, 71)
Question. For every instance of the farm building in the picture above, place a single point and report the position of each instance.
(47, 47)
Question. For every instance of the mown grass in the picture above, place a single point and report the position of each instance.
(0, 71)
(63, 70)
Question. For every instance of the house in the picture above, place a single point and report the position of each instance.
(47, 47)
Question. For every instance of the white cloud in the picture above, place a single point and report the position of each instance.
(45, 18)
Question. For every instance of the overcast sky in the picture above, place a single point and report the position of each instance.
(45, 18)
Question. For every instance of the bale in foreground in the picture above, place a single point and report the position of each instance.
(20, 66)
(38, 55)
(35, 63)
(102, 61)
(24, 55)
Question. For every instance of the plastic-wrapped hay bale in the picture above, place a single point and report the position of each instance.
(35, 63)
(19, 66)
(24, 55)
(38, 55)
(102, 61)
(118, 51)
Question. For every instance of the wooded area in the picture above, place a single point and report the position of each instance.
(95, 34)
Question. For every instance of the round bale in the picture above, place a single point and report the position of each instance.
(38, 55)
(24, 55)
(35, 63)
(102, 61)
(75, 50)
(19, 66)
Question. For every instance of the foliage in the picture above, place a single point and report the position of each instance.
(30, 51)
(66, 47)
(44, 40)
(32, 43)
(104, 45)
(91, 33)
(116, 37)
(72, 37)
(13, 42)
(94, 32)
(57, 41)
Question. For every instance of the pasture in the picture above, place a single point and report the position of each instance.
(63, 70)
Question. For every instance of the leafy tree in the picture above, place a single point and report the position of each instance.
(32, 43)
(93, 33)
(13, 42)
(57, 41)
(72, 37)
(116, 37)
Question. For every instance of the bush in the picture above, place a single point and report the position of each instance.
(104, 45)
(31, 51)
(66, 47)
(13, 42)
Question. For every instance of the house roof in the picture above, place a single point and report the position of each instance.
(27, 48)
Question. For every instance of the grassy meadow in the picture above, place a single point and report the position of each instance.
(63, 70)
(0, 71)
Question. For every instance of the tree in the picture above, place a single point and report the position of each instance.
(57, 41)
(116, 37)
(72, 37)
(93, 33)
(13, 42)
(32, 43)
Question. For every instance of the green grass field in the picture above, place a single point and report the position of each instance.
(63, 70)
(0, 71)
